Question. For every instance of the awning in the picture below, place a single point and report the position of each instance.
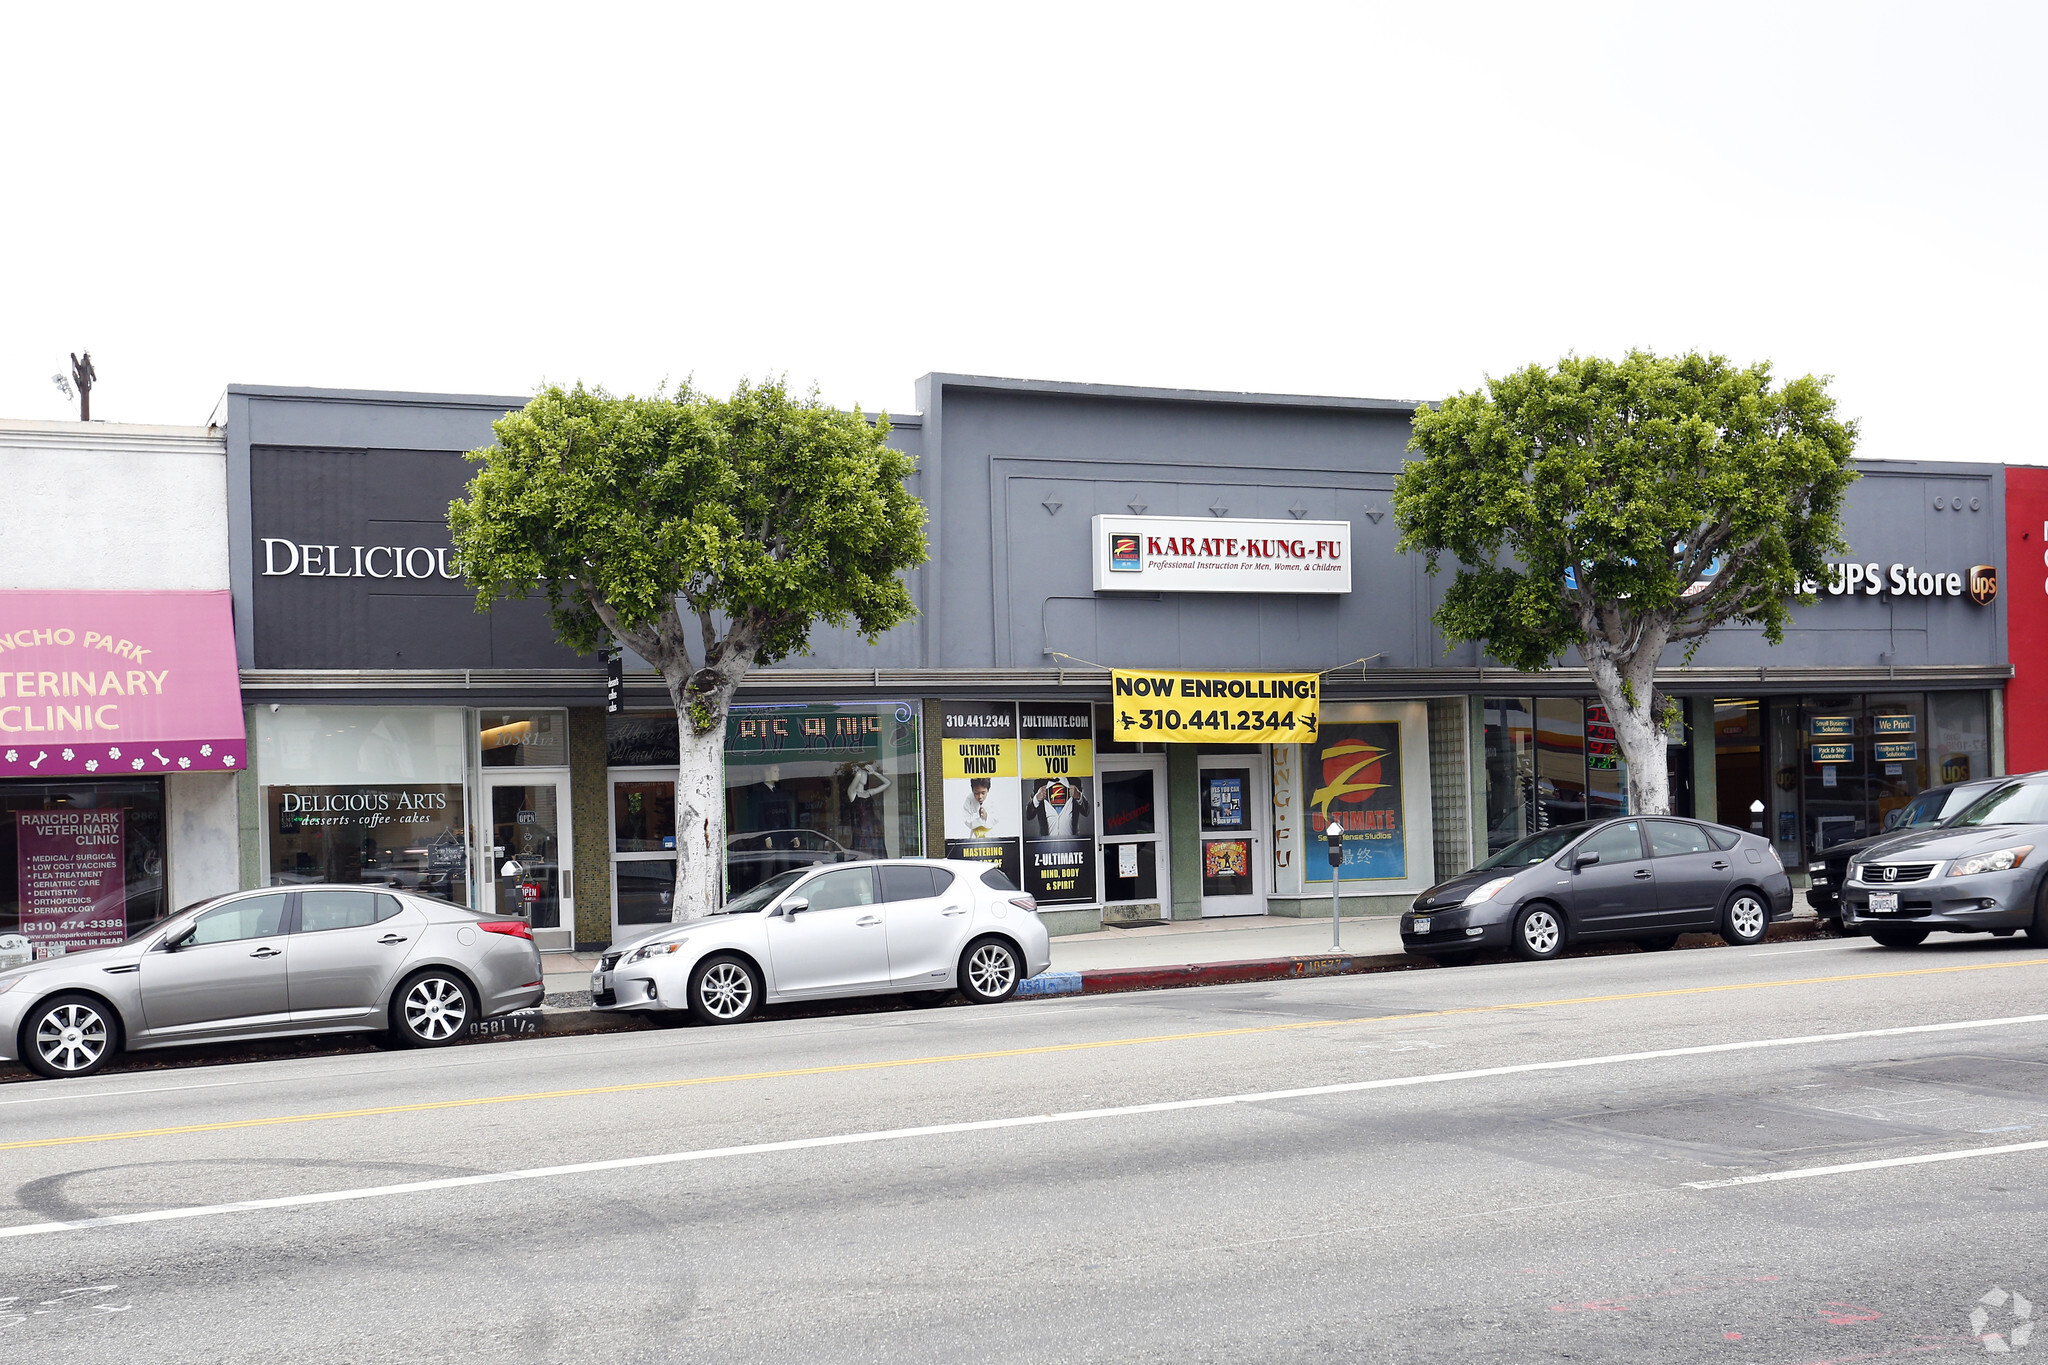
(112, 684)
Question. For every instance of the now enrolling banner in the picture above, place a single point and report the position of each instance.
(1239, 708)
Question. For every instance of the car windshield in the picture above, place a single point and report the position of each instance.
(2021, 803)
(760, 895)
(1534, 849)
(1924, 811)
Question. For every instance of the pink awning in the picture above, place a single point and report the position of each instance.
(111, 684)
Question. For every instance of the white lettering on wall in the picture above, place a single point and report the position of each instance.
(285, 558)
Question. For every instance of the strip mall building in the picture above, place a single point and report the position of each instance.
(391, 734)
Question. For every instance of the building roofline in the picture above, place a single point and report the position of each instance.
(939, 379)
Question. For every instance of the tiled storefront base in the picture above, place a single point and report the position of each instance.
(1318, 907)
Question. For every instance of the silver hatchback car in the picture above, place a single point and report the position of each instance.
(272, 963)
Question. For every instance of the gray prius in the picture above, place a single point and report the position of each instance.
(272, 963)
(1648, 878)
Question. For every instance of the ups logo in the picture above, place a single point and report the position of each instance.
(1983, 583)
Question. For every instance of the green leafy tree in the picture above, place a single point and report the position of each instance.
(709, 534)
(1623, 507)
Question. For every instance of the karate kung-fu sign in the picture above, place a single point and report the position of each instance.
(1235, 708)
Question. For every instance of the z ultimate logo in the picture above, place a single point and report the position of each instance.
(1126, 553)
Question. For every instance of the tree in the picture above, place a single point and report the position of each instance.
(741, 521)
(1623, 507)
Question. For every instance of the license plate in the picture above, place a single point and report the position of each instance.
(1884, 902)
(1422, 924)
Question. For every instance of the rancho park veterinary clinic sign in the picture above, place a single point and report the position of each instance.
(118, 683)
(1215, 554)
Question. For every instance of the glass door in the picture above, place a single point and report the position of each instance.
(530, 873)
(1236, 821)
(643, 851)
(1135, 865)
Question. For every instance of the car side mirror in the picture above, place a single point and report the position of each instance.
(1586, 859)
(179, 939)
(794, 907)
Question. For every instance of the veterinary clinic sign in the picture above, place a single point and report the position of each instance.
(1238, 708)
(1216, 554)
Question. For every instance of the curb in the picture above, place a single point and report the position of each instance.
(1107, 980)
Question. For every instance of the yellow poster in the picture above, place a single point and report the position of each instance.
(979, 756)
(1057, 758)
(1234, 708)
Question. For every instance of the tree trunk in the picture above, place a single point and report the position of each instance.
(700, 819)
(1637, 729)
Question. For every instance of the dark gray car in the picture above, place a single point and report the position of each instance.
(1646, 878)
(1982, 872)
(262, 964)
(1929, 810)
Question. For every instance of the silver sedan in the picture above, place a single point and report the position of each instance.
(264, 964)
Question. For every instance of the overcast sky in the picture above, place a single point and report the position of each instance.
(1389, 201)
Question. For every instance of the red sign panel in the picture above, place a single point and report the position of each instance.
(71, 872)
(2026, 618)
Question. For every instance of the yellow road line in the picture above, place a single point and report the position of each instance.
(848, 1067)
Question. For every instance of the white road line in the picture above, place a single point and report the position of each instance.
(117, 1094)
(1811, 1171)
(991, 1125)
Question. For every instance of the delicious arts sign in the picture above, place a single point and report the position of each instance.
(71, 875)
(100, 683)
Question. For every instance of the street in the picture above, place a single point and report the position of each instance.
(1494, 1163)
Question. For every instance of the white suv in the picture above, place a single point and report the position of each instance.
(919, 926)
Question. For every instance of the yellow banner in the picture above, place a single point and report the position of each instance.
(1056, 758)
(1234, 708)
(978, 757)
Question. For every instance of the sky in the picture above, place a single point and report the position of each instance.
(1388, 201)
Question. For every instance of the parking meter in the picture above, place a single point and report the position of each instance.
(1336, 837)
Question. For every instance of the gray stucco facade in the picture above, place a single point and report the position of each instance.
(1012, 472)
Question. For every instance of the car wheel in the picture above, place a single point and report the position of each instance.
(1897, 936)
(989, 971)
(2037, 932)
(1744, 920)
(725, 990)
(1539, 934)
(69, 1035)
(1659, 944)
(432, 1009)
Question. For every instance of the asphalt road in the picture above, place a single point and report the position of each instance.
(1496, 1163)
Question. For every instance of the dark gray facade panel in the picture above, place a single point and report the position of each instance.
(390, 503)
(1011, 472)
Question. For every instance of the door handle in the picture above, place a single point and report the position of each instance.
(1644, 874)
(392, 938)
(264, 952)
(1720, 866)
(953, 910)
(868, 921)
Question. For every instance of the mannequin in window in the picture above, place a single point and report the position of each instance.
(863, 786)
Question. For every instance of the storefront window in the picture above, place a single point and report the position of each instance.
(1960, 736)
(88, 864)
(819, 783)
(1560, 761)
(523, 739)
(1510, 770)
(367, 794)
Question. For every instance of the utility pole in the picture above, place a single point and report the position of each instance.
(82, 375)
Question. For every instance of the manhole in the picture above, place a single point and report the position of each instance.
(2005, 1076)
(1745, 1127)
